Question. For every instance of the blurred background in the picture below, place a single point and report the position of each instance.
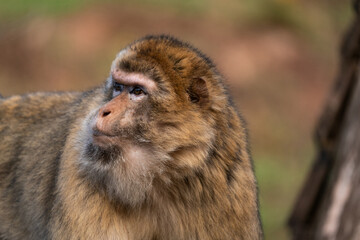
(279, 57)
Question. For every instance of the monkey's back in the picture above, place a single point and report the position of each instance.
(33, 130)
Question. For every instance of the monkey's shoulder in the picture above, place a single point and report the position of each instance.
(24, 113)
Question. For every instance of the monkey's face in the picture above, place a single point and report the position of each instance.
(123, 118)
(156, 123)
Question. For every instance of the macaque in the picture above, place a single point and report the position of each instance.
(157, 152)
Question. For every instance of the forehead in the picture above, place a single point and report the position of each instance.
(169, 56)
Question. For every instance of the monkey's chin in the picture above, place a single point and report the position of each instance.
(102, 153)
(105, 168)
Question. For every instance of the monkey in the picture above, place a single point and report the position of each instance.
(158, 152)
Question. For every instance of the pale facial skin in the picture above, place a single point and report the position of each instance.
(129, 90)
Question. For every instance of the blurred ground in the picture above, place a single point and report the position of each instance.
(279, 59)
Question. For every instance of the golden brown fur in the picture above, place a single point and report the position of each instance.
(178, 169)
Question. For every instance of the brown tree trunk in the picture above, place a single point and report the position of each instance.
(328, 206)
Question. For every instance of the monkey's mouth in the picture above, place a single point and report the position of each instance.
(96, 132)
(103, 139)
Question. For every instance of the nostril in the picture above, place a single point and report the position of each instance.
(105, 113)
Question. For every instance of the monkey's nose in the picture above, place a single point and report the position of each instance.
(105, 113)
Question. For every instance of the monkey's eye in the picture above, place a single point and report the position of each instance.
(137, 90)
(118, 88)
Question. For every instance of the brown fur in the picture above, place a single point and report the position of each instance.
(180, 168)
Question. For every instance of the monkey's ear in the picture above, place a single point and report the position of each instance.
(198, 92)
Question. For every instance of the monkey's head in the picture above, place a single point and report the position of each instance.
(157, 120)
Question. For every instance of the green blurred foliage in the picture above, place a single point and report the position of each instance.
(22, 8)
